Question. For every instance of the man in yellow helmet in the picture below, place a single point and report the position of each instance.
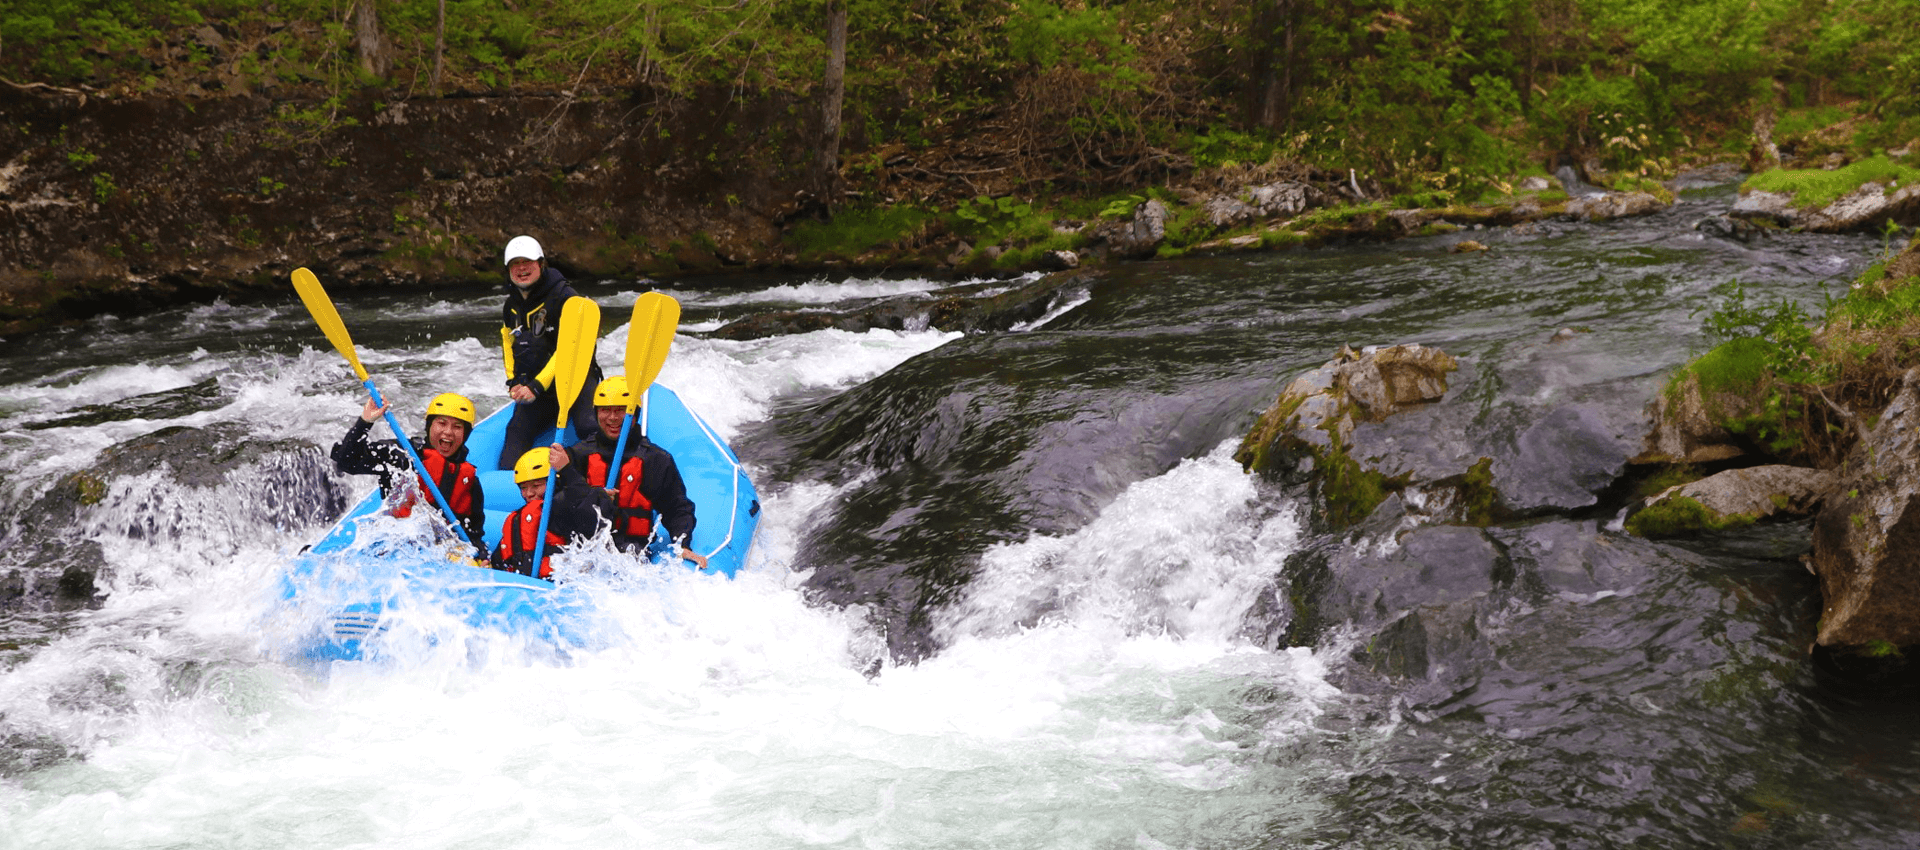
(576, 513)
(648, 483)
(443, 451)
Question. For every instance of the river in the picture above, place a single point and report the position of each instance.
(1009, 591)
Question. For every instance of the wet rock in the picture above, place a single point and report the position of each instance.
(1866, 539)
(1466, 246)
(1562, 461)
(1319, 408)
(1613, 205)
(1729, 227)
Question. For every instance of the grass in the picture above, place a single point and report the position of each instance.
(853, 232)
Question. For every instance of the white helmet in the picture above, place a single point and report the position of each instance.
(522, 246)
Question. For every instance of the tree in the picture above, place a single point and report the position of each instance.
(833, 93)
(368, 43)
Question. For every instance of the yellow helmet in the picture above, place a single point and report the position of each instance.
(531, 466)
(612, 392)
(451, 404)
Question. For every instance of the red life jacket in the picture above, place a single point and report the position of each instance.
(518, 533)
(635, 517)
(455, 483)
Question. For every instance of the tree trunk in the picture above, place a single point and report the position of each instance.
(1271, 105)
(833, 92)
(439, 42)
(367, 41)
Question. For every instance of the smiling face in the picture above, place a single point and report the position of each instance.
(610, 419)
(523, 272)
(533, 491)
(446, 434)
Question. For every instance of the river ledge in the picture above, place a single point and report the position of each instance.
(127, 203)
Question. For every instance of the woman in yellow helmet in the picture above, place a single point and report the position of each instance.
(578, 510)
(443, 451)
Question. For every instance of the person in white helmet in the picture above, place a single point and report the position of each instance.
(529, 333)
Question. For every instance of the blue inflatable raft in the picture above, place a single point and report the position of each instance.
(346, 591)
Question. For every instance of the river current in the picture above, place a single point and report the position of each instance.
(1007, 590)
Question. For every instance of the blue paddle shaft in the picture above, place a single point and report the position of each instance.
(546, 513)
(406, 445)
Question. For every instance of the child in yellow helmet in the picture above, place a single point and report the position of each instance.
(578, 512)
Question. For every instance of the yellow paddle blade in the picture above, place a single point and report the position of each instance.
(573, 355)
(656, 318)
(327, 317)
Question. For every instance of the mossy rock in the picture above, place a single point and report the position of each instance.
(1680, 516)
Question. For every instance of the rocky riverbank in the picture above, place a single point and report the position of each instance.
(123, 202)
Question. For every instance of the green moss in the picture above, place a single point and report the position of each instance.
(1350, 490)
(90, 488)
(1881, 649)
(1260, 440)
(1813, 188)
(1671, 475)
(1681, 516)
(1736, 366)
(1477, 493)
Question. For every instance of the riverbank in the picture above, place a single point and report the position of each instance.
(125, 202)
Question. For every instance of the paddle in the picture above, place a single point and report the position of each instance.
(573, 358)
(328, 318)
(656, 317)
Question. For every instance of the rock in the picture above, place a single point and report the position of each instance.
(1466, 246)
(1861, 208)
(1866, 539)
(1282, 199)
(1561, 462)
(1138, 237)
(960, 254)
(1732, 499)
(1613, 205)
(1055, 261)
(1728, 227)
(1687, 425)
(1759, 491)
(1536, 183)
(1765, 206)
(1305, 434)
(1223, 212)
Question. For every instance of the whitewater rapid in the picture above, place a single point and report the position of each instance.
(1093, 689)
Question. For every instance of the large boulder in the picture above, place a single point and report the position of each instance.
(1320, 408)
(1137, 237)
(1866, 540)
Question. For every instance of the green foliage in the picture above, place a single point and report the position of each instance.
(1224, 146)
(855, 231)
(1813, 188)
(1672, 475)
